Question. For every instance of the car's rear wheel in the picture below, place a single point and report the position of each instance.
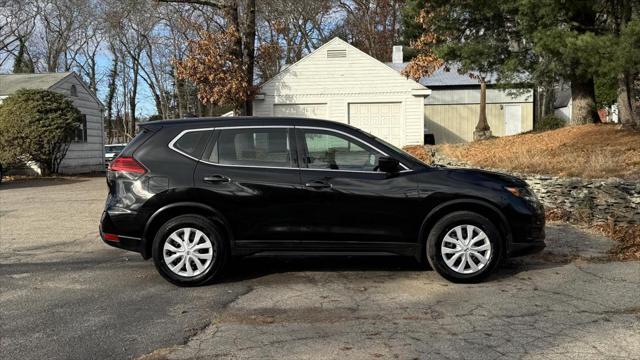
(464, 247)
(189, 250)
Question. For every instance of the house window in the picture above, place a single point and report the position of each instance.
(73, 91)
(80, 135)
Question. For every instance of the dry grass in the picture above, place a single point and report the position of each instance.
(587, 151)
(627, 238)
(419, 152)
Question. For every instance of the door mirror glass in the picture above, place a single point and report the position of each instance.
(388, 164)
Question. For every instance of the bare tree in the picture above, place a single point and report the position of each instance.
(17, 24)
(373, 25)
(241, 16)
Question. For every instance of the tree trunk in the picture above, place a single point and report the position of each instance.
(111, 94)
(626, 112)
(483, 131)
(248, 49)
(583, 102)
(548, 102)
(132, 99)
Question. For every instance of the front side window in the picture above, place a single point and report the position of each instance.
(329, 150)
(263, 147)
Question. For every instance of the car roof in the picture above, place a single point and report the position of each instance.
(243, 121)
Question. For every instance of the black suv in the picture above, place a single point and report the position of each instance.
(192, 193)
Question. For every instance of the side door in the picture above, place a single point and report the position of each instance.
(251, 176)
(348, 199)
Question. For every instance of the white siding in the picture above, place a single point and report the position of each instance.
(89, 156)
(452, 114)
(338, 81)
(472, 96)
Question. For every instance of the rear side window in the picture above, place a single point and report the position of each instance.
(265, 147)
(192, 143)
(144, 135)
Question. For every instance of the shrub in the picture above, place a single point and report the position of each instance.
(37, 125)
(419, 152)
(550, 122)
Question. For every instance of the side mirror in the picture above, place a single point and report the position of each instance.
(388, 164)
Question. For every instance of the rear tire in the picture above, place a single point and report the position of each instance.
(464, 247)
(189, 250)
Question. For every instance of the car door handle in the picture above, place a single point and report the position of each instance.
(318, 184)
(216, 179)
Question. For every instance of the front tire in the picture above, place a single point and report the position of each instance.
(189, 250)
(464, 247)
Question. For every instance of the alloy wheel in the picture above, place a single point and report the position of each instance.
(188, 252)
(466, 249)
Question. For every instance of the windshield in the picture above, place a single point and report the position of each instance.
(397, 149)
(114, 148)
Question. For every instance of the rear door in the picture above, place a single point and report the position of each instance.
(252, 177)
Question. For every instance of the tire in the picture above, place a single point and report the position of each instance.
(189, 250)
(443, 244)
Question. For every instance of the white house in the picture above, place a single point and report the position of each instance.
(86, 152)
(339, 82)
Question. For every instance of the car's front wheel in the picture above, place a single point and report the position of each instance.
(464, 247)
(189, 250)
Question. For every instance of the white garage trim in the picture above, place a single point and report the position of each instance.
(317, 110)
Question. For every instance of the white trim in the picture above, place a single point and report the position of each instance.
(421, 92)
(175, 139)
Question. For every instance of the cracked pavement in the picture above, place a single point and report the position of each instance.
(64, 294)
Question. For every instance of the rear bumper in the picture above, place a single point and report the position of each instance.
(120, 241)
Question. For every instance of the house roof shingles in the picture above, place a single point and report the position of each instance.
(442, 77)
(10, 83)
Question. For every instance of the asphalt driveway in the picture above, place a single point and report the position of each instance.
(65, 295)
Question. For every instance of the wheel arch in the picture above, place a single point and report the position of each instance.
(163, 214)
(480, 207)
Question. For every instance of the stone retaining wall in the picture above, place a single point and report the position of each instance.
(586, 200)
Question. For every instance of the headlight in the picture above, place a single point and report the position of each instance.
(522, 192)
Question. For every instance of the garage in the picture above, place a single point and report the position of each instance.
(341, 83)
(317, 111)
(379, 119)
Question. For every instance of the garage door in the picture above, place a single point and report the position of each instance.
(383, 120)
(318, 111)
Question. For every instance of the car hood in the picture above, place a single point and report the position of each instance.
(479, 177)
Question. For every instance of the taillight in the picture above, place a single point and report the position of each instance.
(110, 237)
(127, 164)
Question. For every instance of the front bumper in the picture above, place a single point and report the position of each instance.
(528, 234)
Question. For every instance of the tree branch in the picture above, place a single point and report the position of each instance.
(212, 3)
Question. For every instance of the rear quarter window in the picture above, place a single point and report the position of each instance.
(192, 143)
